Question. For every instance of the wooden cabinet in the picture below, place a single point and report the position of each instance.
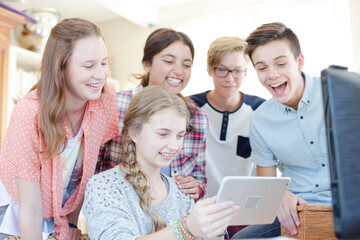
(8, 20)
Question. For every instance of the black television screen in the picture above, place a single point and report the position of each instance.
(341, 97)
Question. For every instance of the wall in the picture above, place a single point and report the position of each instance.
(125, 42)
(328, 34)
(354, 6)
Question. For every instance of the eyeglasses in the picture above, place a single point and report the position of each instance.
(222, 72)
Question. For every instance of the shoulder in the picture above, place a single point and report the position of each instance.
(176, 193)
(266, 109)
(27, 109)
(200, 98)
(198, 118)
(124, 97)
(253, 101)
(112, 175)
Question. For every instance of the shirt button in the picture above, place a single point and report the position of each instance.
(311, 142)
(308, 101)
(316, 185)
(323, 165)
(301, 117)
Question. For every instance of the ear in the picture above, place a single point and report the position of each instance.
(210, 72)
(147, 66)
(133, 135)
(300, 60)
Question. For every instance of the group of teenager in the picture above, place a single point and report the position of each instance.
(147, 163)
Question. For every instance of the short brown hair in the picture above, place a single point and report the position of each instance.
(222, 46)
(270, 32)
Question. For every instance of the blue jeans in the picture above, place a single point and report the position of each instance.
(2, 213)
(259, 231)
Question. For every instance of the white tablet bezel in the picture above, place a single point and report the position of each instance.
(258, 197)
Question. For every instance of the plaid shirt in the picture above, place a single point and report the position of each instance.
(189, 162)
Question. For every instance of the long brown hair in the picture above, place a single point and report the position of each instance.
(146, 103)
(156, 42)
(52, 84)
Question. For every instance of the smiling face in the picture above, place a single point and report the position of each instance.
(159, 140)
(86, 70)
(279, 72)
(228, 86)
(171, 68)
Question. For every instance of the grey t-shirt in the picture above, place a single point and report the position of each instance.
(111, 207)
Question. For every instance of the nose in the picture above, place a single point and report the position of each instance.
(175, 144)
(178, 68)
(229, 77)
(101, 72)
(273, 73)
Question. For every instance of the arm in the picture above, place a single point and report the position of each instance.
(30, 212)
(189, 185)
(207, 219)
(73, 217)
(195, 147)
(266, 171)
(287, 213)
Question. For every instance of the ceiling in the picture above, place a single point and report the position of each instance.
(142, 12)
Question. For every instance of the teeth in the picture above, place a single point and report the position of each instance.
(94, 85)
(173, 80)
(276, 85)
(166, 154)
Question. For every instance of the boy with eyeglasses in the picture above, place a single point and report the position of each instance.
(229, 112)
(287, 131)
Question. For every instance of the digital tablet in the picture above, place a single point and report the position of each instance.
(258, 197)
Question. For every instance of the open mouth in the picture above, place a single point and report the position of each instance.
(166, 154)
(279, 88)
(94, 85)
(174, 81)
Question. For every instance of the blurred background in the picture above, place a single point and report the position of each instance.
(329, 33)
(329, 30)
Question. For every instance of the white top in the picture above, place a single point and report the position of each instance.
(227, 140)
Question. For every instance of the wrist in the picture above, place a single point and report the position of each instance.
(72, 225)
(201, 191)
(185, 220)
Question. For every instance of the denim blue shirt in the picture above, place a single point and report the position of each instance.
(295, 141)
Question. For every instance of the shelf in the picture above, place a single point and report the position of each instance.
(20, 84)
(25, 59)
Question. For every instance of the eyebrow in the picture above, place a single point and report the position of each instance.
(236, 67)
(278, 57)
(168, 130)
(92, 60)
(172, 56)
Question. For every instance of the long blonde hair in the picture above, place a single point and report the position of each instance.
(146, 103)
(51, 88)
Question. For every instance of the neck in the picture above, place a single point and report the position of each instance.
(294, 104)
(224, 103)
(151, 172)
(74, 118)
